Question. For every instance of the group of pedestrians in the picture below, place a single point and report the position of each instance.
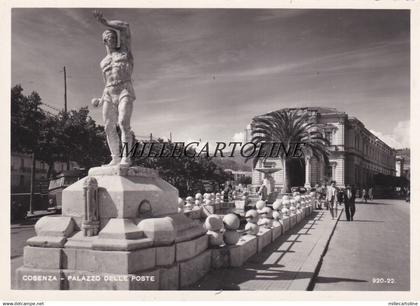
(331, 196)
(367, 195)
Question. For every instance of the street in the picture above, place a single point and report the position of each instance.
(370, 253)
(20, 232)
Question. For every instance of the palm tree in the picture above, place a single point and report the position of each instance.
(289, 127)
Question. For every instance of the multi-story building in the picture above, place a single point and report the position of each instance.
(21, 166)
(356, 155)
(238, 175)
(402, 165)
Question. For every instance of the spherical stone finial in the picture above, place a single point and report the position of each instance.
(276, 215)
(277, 204)
(231, 237)
(213, 223)
(267, 211)
(198, 196)
(251, 216)
(252, 228)
(180, 202)
(231, 222)
(215, 238)
(260, 204)
(90, 181)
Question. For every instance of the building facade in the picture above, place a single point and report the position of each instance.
(239, 175)
(356, 154)
(402, 164)
(21, 167)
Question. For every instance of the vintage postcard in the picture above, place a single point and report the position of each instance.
(227, 151)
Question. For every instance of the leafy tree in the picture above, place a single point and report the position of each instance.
(183, 172)
(26, 120)
(67, 136)
(76, 136)
(289, 127)
(81, 139)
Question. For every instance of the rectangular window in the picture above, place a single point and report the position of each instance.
(329, 172)
(328, 136)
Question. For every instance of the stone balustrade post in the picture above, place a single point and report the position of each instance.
(90, 223)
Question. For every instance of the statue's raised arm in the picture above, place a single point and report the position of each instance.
(122, 29)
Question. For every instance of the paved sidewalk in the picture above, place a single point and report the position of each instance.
(371, 253)
(287, 264)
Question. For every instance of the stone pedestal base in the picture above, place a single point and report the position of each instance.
(276, 232)
(171, 277)
(143, 242)
(263, 239)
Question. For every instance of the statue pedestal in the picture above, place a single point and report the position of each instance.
(142, 241)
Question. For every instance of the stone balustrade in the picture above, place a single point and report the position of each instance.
(175, 257)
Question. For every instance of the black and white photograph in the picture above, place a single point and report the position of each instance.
(210, 149)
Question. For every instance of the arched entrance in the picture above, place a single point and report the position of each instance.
(297, 172)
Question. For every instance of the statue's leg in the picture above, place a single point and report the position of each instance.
(125, 109)
(110, 116)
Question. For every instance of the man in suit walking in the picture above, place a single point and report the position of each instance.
(332, 199)
(349, 203)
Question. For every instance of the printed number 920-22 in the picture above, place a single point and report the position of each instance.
(377, 280)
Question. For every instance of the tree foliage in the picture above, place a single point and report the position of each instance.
(75, 136)
(289, 127)
(184, 172)
(72, 136)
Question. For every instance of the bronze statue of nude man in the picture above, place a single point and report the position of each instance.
(118, 95)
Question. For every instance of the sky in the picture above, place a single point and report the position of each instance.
(205, 73)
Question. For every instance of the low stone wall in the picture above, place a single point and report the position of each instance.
(63, 259)
(249, 245)
(153, 268)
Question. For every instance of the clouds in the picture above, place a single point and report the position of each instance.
(239, 137)
(206, 73)
(400, 136)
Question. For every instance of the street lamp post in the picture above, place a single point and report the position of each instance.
(31, 196)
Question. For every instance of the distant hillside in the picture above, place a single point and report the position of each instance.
(236, 163)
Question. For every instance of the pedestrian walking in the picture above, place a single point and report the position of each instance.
(318, 196)
(364, 195)
(324, 196)
(332, 199)
(371, 193)
(227, 192)
(349, 203)
(340, 196)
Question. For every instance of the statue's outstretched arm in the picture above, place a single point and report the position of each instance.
(115, 24)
